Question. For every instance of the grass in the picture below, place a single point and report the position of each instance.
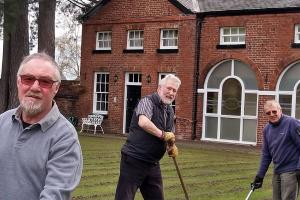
(209, 171)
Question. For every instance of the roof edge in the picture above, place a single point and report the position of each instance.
(181, 7)
(252, 11)
(93, 10)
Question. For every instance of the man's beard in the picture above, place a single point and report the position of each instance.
(30, 108)
(167, 101)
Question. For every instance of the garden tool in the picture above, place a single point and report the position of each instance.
(170, 144)
(250, 192)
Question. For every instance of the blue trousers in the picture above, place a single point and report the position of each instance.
(137, 174)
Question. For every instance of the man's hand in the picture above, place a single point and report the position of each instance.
(257, 183)
(169, 137)
(172, 151)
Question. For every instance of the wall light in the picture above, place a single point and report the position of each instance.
(148, 78)
(116, 78)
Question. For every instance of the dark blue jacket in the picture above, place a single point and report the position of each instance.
(281, 144)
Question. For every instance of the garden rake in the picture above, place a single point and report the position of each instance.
(171, 143)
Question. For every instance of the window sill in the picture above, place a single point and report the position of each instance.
(105, 115)
(101, 51)
(133, 51)
(167, 50)
(231, 46)
(295, 45)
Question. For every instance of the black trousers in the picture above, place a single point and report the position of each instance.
(136, 174)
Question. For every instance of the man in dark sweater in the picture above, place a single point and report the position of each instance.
(281, 144)
(150, 131)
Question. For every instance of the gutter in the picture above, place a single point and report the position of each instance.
(199, 21)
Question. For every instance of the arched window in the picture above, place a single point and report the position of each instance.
(230, 103)
(289, 90)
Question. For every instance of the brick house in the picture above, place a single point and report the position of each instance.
(230, 56)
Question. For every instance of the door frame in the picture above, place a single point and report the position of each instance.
(127, 82)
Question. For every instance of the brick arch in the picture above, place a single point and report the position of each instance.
(253, 66)
(286, 62)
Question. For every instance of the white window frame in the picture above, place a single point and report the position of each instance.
(98, 40)
(297, 33)
(231, 35)
(173, 37)
(218, 115)
(95, 110)
(137, 38)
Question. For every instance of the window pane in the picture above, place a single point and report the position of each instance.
(234, 31)
(286, 103)
(245, 72)
(175, 33)
(105, 36)
(165, 34)
(211, 127)
(249, 130)
(219, 73)
(241, 31)
(130, 77)
(212, 102)
(230, 129)
(102, 104)
(226, 38)
(234, 39)
(231, 97)
(172, 42)
(242, 39)
(100, 36)
(165, 43)
(250, 104)
(131, 35)
(131, 43)
(226, 31)
(290, 78)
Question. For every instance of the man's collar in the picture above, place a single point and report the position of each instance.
(46, 122)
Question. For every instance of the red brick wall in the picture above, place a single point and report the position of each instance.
(67, 98)
(119, 16)
(268, 49)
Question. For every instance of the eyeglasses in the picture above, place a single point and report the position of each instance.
(274, 112)
(43, 82)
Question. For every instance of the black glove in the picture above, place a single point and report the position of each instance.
(257, 183)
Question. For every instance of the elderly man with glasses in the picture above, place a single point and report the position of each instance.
(281, 144)
(40, 155)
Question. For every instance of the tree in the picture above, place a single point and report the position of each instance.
(68, 48)
(46, 27)
(14, 49)
(16, 38)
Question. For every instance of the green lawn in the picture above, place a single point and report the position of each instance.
(209, 171)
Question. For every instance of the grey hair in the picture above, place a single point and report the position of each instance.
(41, 56)
(171, 77)
(270, 103)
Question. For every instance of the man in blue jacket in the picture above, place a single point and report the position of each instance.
(281, 144)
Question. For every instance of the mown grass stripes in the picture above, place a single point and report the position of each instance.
(210, 172)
